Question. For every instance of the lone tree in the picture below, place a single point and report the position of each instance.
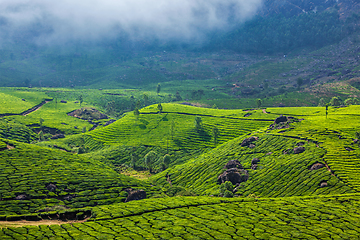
(177, 96)
(136, 113)
(166, 160)
(216, 134)
(41, 121)
(146, 99)
(299, 82)
(326, 109)
(41, 136)
(134, 159)
(198, 122)
(258, 102)
(158, 88)
(150, 159)
(81, 99)
(159, 107)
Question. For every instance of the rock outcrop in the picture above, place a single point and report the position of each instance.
(136, 195)
(234, 175)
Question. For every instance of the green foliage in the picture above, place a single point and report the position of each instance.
(258, 102)
(150, 158)
(226, 189)
(136, 113)
(216, 134)
(177, 96)
(41, 136)
(283, 34)
(159, 107)
(351, 101)
(322, 102)
(134, 159)
(146, 99)
(166, 160)
(81, 99)
(158, 88)
(79, 181)
(206, 217)
(198, 123)
(152, 129)
(299, 82)
(335, 101)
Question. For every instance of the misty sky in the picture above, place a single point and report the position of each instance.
(64, 20)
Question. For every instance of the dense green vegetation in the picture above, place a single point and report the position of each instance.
(212, 218)
(27, 171)
(284, 34)
(94, 177)
(107, 141)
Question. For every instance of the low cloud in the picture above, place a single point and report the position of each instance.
(47, 21)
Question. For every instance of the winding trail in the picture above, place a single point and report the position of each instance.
(27, 112)
(22, 223)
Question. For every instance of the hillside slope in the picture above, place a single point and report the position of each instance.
(37, 179)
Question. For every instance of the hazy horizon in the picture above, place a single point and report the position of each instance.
(45, 22)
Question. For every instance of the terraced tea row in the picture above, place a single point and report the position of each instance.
(324, 217)
(34, 178)
(336, 135)
(280, 172)
(178, 129)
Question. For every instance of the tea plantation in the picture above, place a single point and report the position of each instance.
(299, 176)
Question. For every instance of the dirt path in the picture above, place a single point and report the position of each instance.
(37, 107)
(21, 223)
(264, 111)
(27, 112)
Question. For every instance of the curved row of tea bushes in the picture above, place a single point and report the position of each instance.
(277, 175)
(76, 182)
(318, 217)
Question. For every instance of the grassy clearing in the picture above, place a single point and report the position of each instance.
(19, 100)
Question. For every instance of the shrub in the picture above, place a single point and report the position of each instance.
(150, 159)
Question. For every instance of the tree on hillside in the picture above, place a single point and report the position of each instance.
(355, 101)
(326, 109)
(166, 160)
(351, 101)
(136, 113)
(322, 102)
(134, 159)
(198, 122)
(258, 102)
(299, 82)
(159, 107)
(146, 99)
(177, 96)
(335, 101)
(150, 159)
(80, 98)
(41, 136)
(158, 88)
(41, 121)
